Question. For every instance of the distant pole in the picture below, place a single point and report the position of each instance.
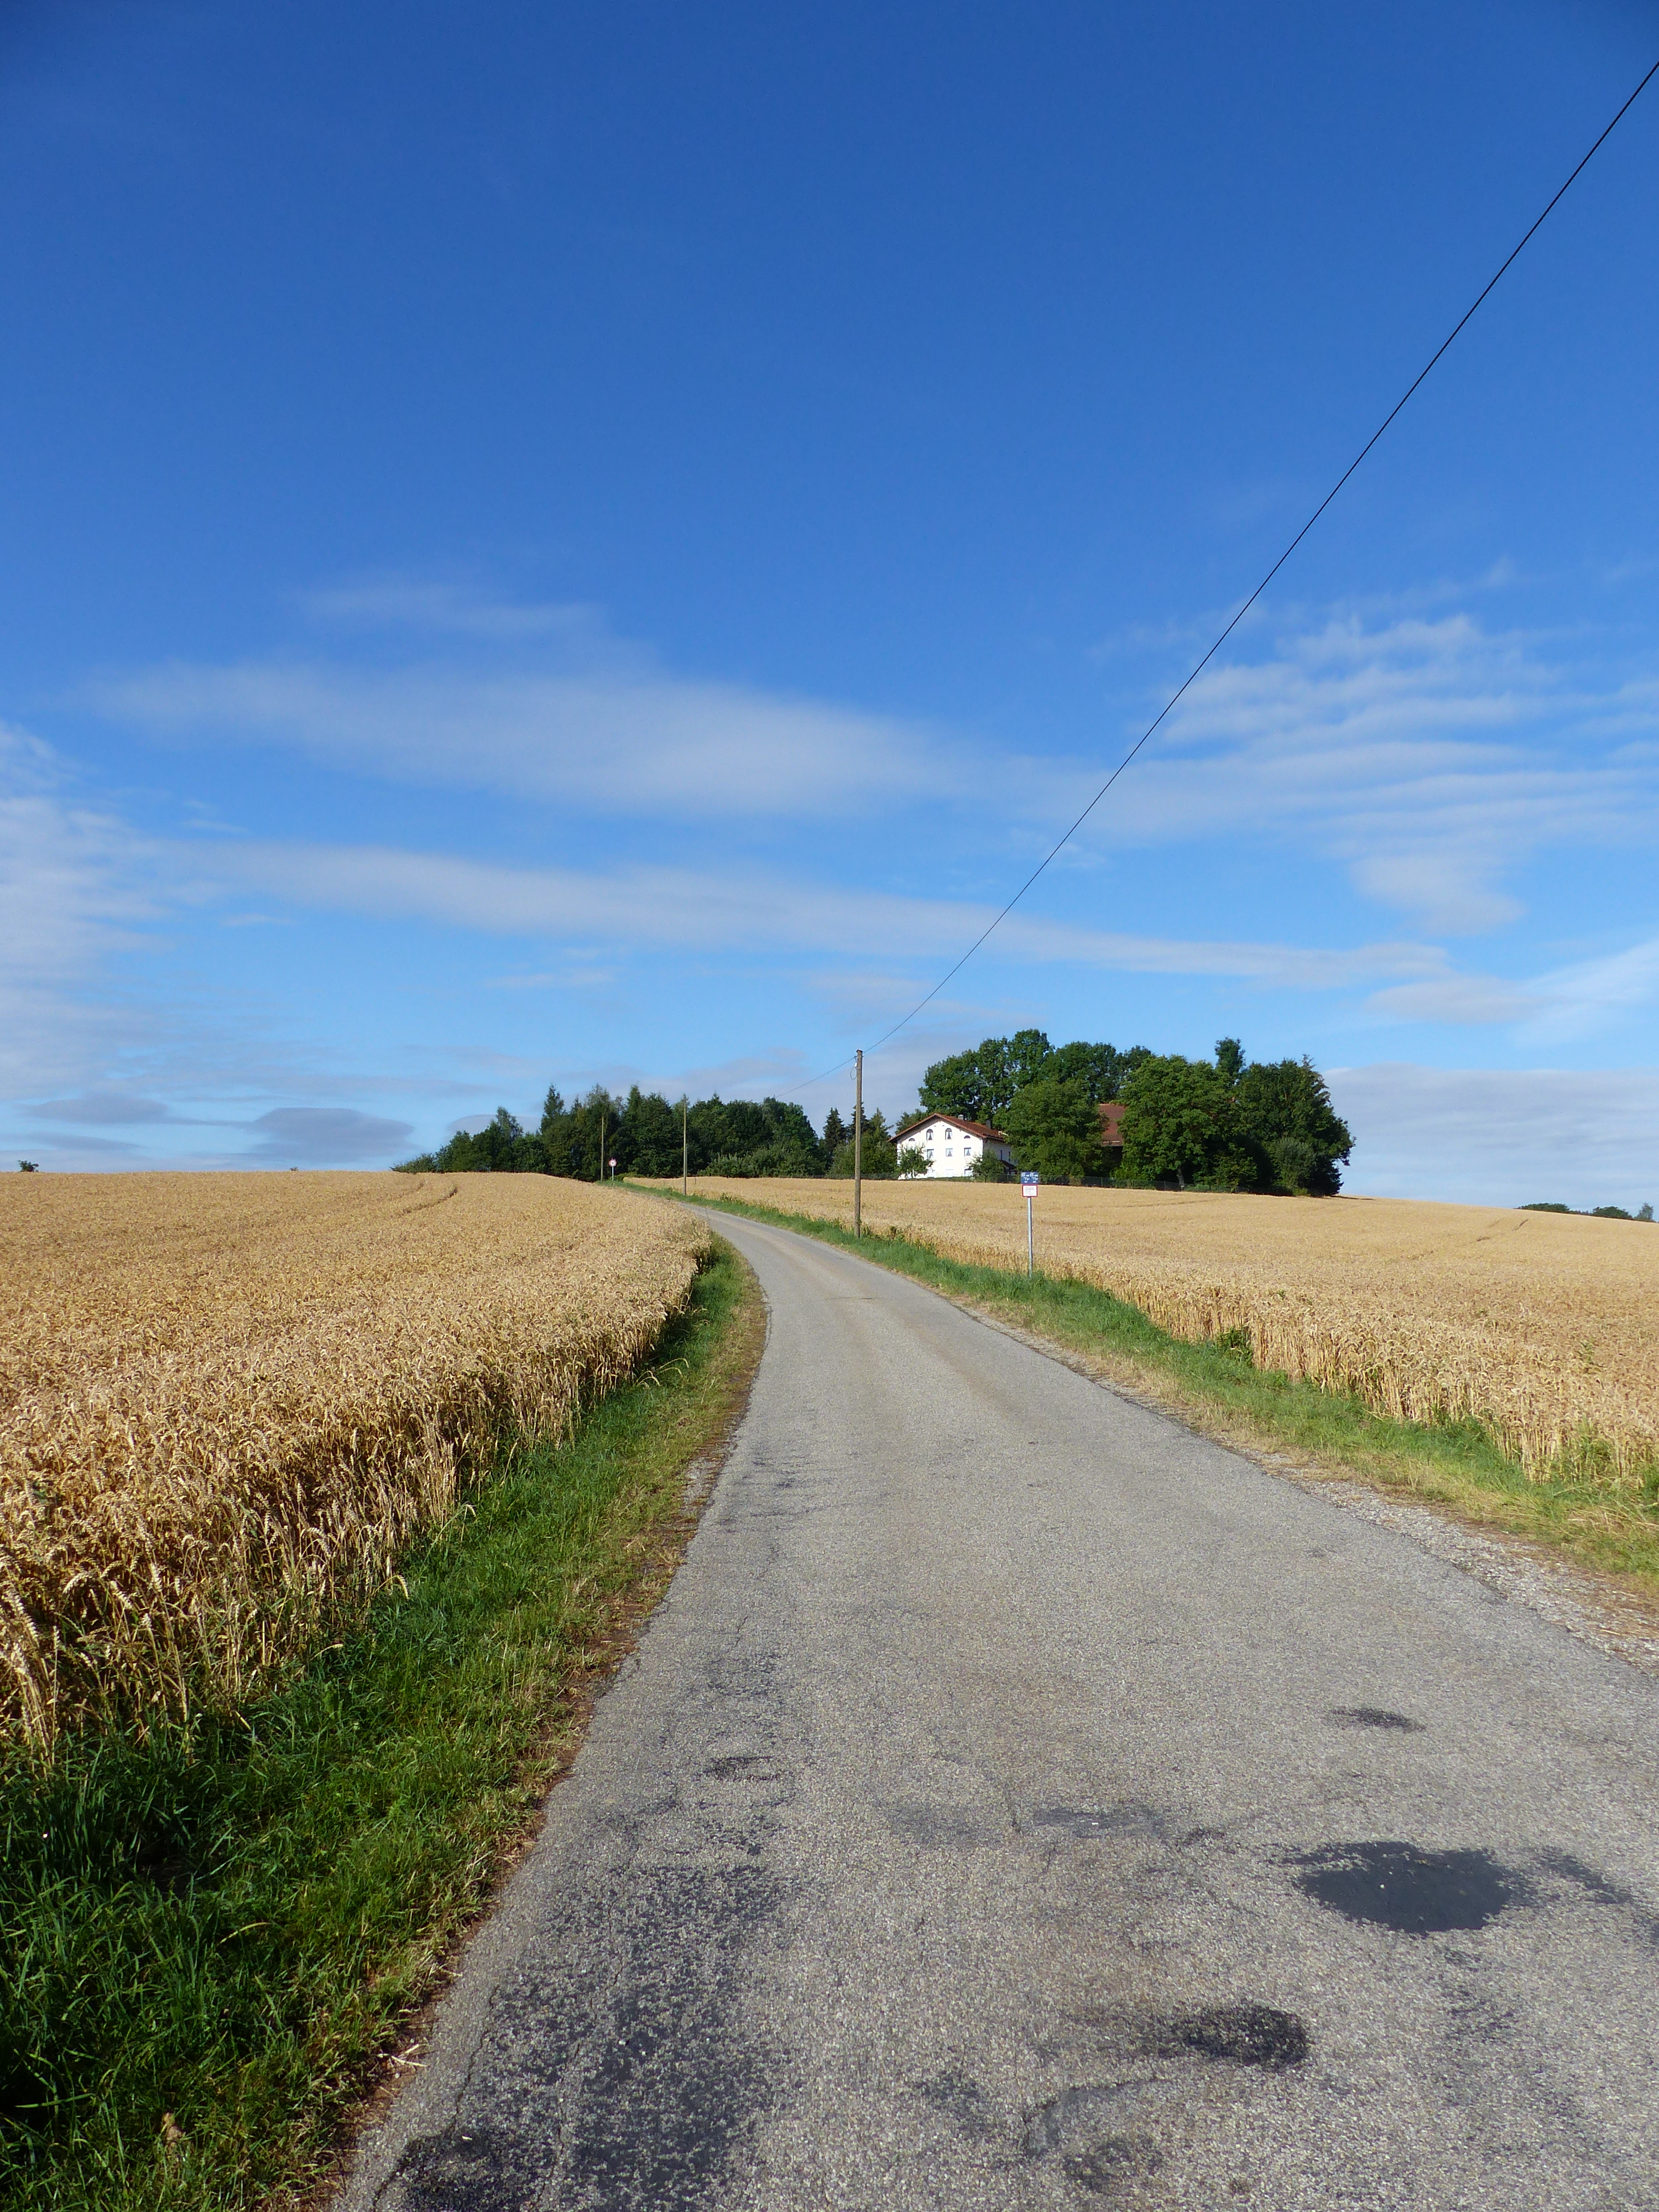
(857, 1144)
(598, 1173)
(686, 1145)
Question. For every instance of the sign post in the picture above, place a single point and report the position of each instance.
(1029, 1184)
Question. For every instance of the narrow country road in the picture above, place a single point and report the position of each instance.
(1017, 1802)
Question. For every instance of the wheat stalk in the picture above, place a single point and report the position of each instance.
(229, 1402)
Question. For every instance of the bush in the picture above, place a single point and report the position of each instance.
(878, 1161)
(768, 1160)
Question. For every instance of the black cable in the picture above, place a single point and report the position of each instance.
(1199, 667)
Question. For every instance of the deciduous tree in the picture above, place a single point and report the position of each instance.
(1054, 1127)
(1182, 1124)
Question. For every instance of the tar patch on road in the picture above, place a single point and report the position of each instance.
(625, 2077)
(1402, 1886)
(465, 2171)
(1247, 2034)
(1372, 1716)
(1079, 1822)
(960, 2099)
(938, 1828)
(1106, 2166)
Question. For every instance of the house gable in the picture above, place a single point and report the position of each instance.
(951, 1144)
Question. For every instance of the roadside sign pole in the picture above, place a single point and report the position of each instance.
(1028, 1182)
(686, 1145)
(857, 1144)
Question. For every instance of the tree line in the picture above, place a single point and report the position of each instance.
(1221, 1124)
(642, 1134)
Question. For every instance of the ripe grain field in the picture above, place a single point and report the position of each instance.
(1542, 1327)
(229, 1402)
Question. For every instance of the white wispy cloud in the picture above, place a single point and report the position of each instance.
(613, 741)
(77, 888)
(725, 910)
(1575, 1000)
(1432, 755)
(1579, 999)
(450, 609)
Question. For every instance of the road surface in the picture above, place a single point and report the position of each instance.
(1020, 1802)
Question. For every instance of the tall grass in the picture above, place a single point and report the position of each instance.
(206, 1936)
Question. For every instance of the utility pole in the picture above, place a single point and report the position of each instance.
(599, 1172)
(857, 1144)
(686, 1145)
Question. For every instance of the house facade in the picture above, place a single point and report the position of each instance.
(951, 1146)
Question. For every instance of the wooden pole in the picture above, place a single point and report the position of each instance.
(857, 1144)
(686, 1145)
(601, 1170)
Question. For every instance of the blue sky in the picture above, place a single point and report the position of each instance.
(551, 544)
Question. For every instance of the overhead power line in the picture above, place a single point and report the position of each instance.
(1199, 666)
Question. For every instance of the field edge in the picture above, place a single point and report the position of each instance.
(275, 2126)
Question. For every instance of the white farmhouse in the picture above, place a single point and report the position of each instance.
(951, 1146)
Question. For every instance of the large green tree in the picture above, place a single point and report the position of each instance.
(1232, 1126)
(1182, 1124)
(1054, 1127)
(577, 1139)
(878, 1153)
(1102, 1069)
(980, 1085)
(835, 1132)
(1286, 1108)
(648, 1136)
(774, 1138)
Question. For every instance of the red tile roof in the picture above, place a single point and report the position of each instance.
(982, 1129)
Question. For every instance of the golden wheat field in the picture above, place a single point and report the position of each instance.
(1543, 1326)
(228, 1402)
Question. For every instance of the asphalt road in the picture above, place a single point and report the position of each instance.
(1017, 1802)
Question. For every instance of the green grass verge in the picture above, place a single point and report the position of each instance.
(205, 1942)
(1217, 1388)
